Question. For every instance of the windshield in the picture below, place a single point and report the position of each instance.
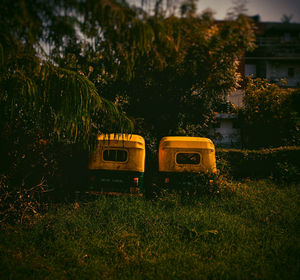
(188, 158)
(115, 155)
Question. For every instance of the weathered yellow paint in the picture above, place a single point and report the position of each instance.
(170, 146)
(133, 144)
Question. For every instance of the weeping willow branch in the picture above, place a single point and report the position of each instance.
(62, 99)
(74, 100)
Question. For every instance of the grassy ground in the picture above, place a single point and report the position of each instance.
(250, 232)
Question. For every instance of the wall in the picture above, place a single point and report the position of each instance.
(277, 70)
(225, 135)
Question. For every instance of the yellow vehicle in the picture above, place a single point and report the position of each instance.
(117, 165)
(181, 155)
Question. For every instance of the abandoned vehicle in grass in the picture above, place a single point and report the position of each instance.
(117, 165)
(183, 161)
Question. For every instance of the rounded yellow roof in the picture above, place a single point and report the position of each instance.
(170, 142)
(122, 140)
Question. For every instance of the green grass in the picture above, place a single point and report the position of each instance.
(251, 232)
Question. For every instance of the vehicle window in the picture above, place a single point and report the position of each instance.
(115, 155)
(188, 158)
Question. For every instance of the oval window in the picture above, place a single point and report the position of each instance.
(115, 155)
(188, 158)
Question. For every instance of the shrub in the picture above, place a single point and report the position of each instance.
(269, 117)
(31, 168)
(280, 163)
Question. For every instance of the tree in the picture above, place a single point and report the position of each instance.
(35, 87)
(69, 67)
(286, 18)
(179, 66)
(239, 8)
(42, 104)
(268, 117)
(170, 71)
(180, 82)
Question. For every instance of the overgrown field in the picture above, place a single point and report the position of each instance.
(249, 231)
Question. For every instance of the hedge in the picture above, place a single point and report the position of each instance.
(282, 162)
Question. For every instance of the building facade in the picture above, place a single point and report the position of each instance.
(276, 57)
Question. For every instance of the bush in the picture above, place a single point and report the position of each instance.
(34, 170)
(269, 117)
(280, 163)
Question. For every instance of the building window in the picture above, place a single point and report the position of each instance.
(250, 70)
(287, 37)
(291, 72)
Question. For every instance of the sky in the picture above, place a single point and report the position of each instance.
(269, 10)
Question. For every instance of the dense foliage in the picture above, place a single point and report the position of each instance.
(60, 58)
(73, 69)
(70, 69)
(270, 116)
(168, 74)
(35, 93)
(160, 70)
(282, 164)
